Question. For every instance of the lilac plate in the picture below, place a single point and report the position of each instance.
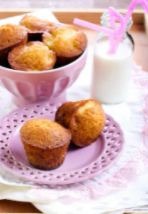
(80, 163)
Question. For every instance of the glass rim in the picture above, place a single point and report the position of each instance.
(105, 18)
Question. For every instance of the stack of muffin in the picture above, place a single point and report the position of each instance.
(46, 142)
(37, 45)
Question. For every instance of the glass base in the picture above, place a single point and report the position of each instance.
(109, 103)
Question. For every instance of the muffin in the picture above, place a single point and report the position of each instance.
(65, 111)
(45, 143)
(35, 24)
(11, 36)
(34, 56)
(86, 120)
(36, 27)
(67, 42)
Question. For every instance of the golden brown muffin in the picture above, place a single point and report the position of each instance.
(35, 24)
(11, 36)
(45, 143)
(85, 121)
(34, 56)
(67, 42)
(65, 111)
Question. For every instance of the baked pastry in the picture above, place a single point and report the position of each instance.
(85, 119)
(45, 143)
(36, 27)
(35, 24)
(67, 42)
(11, 36)
(65, 111)
(34, 56)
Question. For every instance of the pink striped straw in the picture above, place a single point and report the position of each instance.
(133, 4)
(111, 32)
(115, 15)
(98, 27)
(131, 7)
(112, 25)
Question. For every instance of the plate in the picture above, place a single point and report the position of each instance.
(80, 163)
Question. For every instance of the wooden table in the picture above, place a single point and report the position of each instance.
(138, 32)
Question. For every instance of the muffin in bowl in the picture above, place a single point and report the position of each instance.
(34, 56)
(66, 41)
(35, 24)
(86, 120)
(36, 27)
(45, 143)
(33, 86)
(11, 36)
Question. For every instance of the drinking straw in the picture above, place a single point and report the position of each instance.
(131, 7)
(112, 25)
(114, 43)
(123, 22)
(111, 32)
(98, 27)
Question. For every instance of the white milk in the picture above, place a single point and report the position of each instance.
(111, 73)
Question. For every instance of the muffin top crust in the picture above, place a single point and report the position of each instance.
(34, 56)
(44, 133)
(11, 35)
(35, 24)
(65, 40)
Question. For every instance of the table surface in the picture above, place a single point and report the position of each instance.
(140, 56)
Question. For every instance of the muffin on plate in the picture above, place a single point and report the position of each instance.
(34, 56)
(45, 142)
(65, 111)
(86, 120)
(11, 36)
(67, 42)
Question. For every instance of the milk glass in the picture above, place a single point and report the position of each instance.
(111, 72)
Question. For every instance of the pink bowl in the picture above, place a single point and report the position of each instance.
(29, 87)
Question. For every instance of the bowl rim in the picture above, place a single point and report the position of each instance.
(48, 71)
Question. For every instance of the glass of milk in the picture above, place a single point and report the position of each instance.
(111, 72)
